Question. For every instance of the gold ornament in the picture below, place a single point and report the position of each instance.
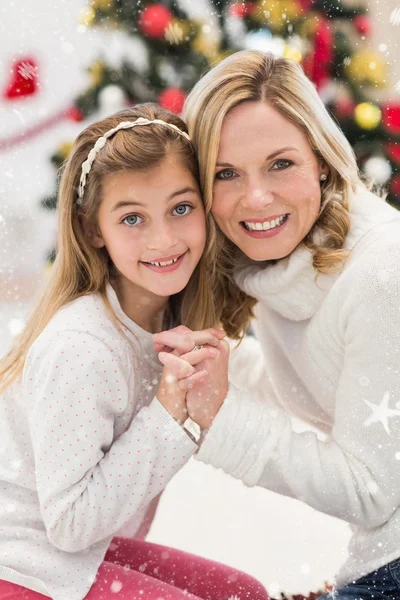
(87, 17)
(205, 43)
(367, 115)
(103, 5)
(177, 32)
(366, 67)
(277, 14)
(309, 25)
(96, 72)
(293, 53)
(64, 150)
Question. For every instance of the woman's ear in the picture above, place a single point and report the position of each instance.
(323, 171)
(91, 232)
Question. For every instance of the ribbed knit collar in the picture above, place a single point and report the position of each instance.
(291, 286)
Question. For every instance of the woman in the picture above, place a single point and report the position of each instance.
(317, 256)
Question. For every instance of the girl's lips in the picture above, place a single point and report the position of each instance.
(264, 233)
(168, 268)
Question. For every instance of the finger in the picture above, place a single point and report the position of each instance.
(197, 356)
(206, 336)
(178, 367)
(161, 347)
(183, 342)
(219, 333)
(189, 382)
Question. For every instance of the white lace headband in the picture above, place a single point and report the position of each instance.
(100, 143)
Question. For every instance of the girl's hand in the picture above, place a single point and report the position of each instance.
(205, 388)
(183, 340)
(171, 393)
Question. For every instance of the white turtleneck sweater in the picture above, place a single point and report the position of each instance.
(331, 355)
(85, 448)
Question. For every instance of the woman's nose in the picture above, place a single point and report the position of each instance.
(257, 196)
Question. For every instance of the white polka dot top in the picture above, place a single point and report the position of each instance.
(85, 448)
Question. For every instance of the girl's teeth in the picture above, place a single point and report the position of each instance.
(164, 264)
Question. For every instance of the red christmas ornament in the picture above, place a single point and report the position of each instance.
(75, 114)
(363, 25)
(391, 117)
(344, 108)
(395, 186)
(241, 9)
(393, 152)
(172, 99)
(154, 20)
(323, 53)
(24, 79)
(317, 64)
(306, 5)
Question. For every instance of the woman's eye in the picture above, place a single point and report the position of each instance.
(182, 210)
(131, 220)
(225, 174)
(281, 164)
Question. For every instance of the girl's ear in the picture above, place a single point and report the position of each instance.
(91, 232)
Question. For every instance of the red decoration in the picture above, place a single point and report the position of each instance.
(363, 25)
(317, 65)
(344, 108)
(393, 152)
(306, 5)
(395, 186)
(75, 114)
(24, 79)
(172, 99)
(391, 117)
(241, 9)
(154, 20)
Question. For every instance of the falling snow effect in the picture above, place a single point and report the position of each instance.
(25, 236)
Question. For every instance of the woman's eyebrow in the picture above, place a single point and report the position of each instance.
(284, 149)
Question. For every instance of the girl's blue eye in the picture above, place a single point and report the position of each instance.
(281, 164)
(225, 174)
(131, 220)
(182, 210)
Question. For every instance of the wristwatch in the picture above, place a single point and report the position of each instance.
(193, 430)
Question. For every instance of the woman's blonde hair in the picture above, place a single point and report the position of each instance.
(258, 76)
(81, 269)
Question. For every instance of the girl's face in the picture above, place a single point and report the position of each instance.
(153, 226)
(267, 182)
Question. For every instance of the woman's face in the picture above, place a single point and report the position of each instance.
(267, 182)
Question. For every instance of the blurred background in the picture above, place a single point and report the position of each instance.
(65, 63)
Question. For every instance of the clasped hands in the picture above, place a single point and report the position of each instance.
(194, 381)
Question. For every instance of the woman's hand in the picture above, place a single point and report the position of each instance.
(182, 339)
(206, 395)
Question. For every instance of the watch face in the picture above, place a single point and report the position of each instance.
(193, 429)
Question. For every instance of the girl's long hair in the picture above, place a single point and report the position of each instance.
(81, 269)
(257, 76)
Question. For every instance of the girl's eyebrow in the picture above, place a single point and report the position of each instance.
(124, 203)
(284, 149)
(183, 191)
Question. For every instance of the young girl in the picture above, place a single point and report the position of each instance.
(92, 427)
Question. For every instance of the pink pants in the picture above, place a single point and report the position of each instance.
(138, 570)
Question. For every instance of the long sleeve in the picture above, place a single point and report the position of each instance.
(247, 370)
(90, 482)
(354, 475)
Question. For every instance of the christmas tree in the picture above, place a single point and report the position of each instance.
(172, 49)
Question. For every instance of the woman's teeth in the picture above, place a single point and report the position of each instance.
(164, 264)
(265, 225)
